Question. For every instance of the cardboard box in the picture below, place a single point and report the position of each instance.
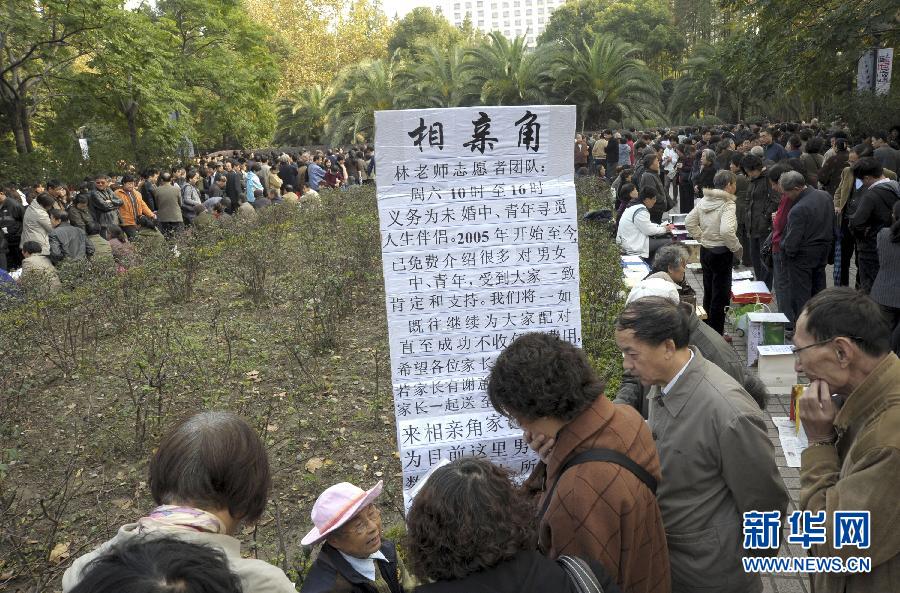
(693, 248)
(776, 368)
(764, 329)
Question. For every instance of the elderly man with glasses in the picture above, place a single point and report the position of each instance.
(851, 414)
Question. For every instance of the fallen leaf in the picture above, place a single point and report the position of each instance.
(123, 503)
(314, 464)
(272, 428)
(59, 552)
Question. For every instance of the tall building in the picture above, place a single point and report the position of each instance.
(510, 17)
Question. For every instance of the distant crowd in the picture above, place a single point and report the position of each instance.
(46, 225)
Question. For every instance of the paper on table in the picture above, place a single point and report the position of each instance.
(749, 287)
(792, 442)
(743, 275)
(775, 349)
(768, 317)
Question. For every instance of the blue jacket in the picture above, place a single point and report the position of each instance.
(775, 152)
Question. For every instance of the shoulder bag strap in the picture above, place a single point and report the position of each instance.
(580, 574)
(605, 455)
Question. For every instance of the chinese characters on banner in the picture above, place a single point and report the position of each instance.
(883, 66)
(480, 245)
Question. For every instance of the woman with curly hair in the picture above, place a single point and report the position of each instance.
(603, 510)
(470, 530)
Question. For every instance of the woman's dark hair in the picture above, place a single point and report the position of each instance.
(92, 228)
(625, 191)
(867, 167)
(159, 565)
(648, 192)
(126, 178)
(626, 172)
(467, 517)
(213, 460)
(895, 227)
(843, 311)
(31, 247)
(540, 376)
(655, 320)
(45, 200)
(863, 150)
(814, 145)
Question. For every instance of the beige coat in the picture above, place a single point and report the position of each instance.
(860, 473)
(36, 227)
(717, 463)
(713, 221)
(38, 270)
(256, 576)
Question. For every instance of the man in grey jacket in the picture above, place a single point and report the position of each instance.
(104, 203)
(669, 267)
(717, 459)
(67, 242)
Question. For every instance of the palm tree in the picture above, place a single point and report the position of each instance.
(507, 72)
(607, 81)
(302, 117)
(436, 77)
(359, 91)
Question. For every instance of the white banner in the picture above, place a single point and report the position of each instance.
(479, 235)
(883, 66)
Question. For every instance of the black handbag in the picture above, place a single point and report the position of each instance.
(765, 251)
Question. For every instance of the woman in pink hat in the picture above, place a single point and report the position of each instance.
(354, 558)
(209, 475)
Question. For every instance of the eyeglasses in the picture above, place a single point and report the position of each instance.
(360, 522)
(797, 351)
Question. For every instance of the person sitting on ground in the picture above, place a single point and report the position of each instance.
(102, 249)
(354, 558)
(122, 249)
(208, 476)
(472, 508)
(637, 235)
(289, 197)
(309, 196)
(260, 200)
(163, 565)
(38, 277)
(547, 386)
(202, 218)
(246, 211)
(67, 243)
(220, 210)
(148, 234)
(79, 214)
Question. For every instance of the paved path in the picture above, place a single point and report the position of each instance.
(777, 406)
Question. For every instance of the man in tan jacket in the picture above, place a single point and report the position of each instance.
(853, 460)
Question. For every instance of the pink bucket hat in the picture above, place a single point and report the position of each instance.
(337, 505)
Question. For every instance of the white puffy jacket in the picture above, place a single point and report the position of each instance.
(713, 221)
(635, 230)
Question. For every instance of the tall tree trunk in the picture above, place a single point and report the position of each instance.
(25, 122)
(18, 123)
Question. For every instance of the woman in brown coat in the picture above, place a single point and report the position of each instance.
(597, 510)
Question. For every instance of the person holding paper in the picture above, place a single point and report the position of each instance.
(637, 235)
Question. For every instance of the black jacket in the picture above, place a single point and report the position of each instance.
(874, 211)
(663, 202)
(810, 225)
(11, 214)
(761, 203)
(331, 573)
(527, 572)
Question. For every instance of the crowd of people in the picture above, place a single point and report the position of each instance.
(617, 503)
(644, 493)
(785, 200)
(47, 225)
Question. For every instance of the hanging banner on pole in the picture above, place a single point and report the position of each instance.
(480, 245)
(883, 66)
(865, 71)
